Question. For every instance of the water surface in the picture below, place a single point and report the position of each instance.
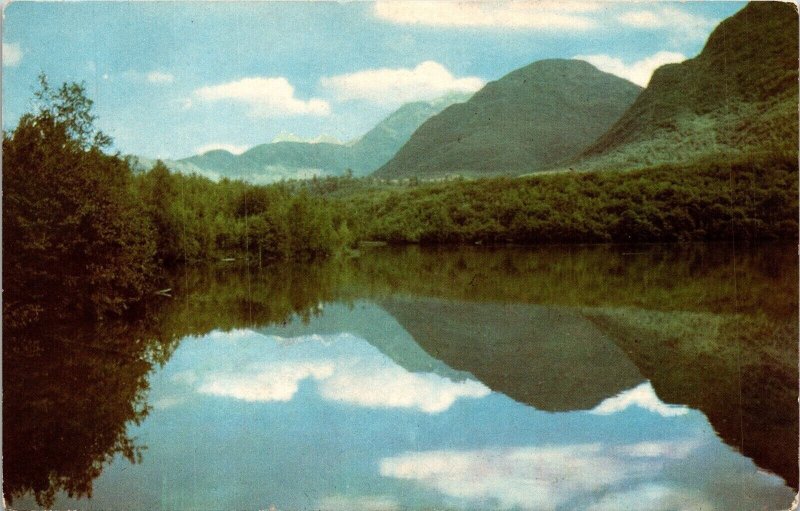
(549, 378)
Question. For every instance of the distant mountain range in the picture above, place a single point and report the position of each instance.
(301, 160)
(527, 120)
(738, 97)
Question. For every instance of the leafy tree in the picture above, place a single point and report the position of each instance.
(75, 238)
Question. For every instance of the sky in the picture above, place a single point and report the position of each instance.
(172, 79)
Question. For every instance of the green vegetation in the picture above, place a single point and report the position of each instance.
(739, 96)
(75, 237)
(744, 200)
(83, 235)
(702, 322)
(196, 219)
(528, 120)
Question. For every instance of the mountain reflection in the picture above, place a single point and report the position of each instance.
(548, 357)
(667, 330)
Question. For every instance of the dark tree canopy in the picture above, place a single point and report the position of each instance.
(75, 239)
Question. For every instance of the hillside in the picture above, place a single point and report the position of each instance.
(737, 97)
(300, 160)
(528, 120)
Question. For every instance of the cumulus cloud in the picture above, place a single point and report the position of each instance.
(12, 54)
(683, 24)
(427, 80)
(540, 477)
(643, 396)
(264, 97)
(160, 77)
(639, 72)
(345, 369)
(675, 449)
(231, 148)
(374, 383)
(275, 382)
(540, 15)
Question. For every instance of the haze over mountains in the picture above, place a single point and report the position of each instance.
(301, 160)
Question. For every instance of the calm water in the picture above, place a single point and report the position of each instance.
(550, 378)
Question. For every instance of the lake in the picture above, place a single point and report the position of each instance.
(465, 378)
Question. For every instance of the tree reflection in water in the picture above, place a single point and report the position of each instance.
(707, 333)
(69, 394)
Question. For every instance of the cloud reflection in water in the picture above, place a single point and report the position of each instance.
(253, 367)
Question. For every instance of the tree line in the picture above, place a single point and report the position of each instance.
(84, 234)
(755, 198)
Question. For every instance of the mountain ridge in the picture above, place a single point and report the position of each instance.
(529, 119)
(288, 159)
(737, 96)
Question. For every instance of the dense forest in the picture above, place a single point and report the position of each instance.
(83, 233)
(746, 200)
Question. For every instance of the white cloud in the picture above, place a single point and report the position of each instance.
(345, 368)
(655, 449)
(265, 97)
(276, 382)
(638, 72)
(231, 148)
(12, 54)
(643, 396)
(427, 80)
(159, 77)
(684, 25)
(167, 402)
(375, 384)
(541, 477)
(285, 136)
(363, 503)
(640, 19)
(540, 15)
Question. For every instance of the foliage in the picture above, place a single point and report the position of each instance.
(75, 239)
(197, 219)
(744, 200)
(83, 235)
(739, 96)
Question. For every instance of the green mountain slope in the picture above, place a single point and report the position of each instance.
(299, 160)
(737, 97)
(526, 121)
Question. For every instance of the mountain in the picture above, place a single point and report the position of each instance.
(738, 97)
(527, 120)
(549, 357)
(276, 161)
(291, 159)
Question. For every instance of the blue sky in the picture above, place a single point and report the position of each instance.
(172, 78)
